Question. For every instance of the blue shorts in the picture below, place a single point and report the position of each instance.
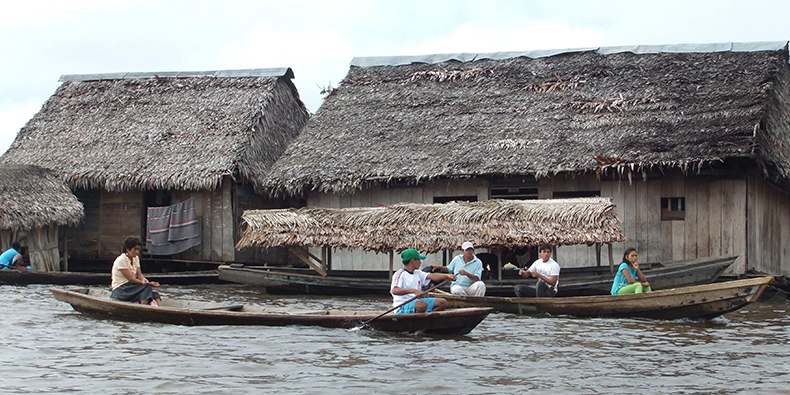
(408, 308)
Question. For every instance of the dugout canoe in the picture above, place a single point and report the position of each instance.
(577, 281)
(96, 302)
(697, 302)
(18, 277)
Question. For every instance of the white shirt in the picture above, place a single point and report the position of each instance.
(547, 269)
(406, 280)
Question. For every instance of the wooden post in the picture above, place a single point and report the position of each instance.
(444, 257)
(329, 258)
(65, 249)
(598, 254)
(392, 254)
(499, 265)
(323, 257)
(611, 259)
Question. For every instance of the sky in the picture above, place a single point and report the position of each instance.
(42, 40)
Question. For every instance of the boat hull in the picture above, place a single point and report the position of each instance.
(95, 302)
(573, 281)
(18, 277)
(693, 302)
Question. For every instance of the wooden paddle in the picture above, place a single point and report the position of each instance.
(397, 307)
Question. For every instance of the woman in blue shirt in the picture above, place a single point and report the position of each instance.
(629, 279)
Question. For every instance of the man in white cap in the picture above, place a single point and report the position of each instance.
(468, 269)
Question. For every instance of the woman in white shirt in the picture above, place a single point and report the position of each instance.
(128, 282)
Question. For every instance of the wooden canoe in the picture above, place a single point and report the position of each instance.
(96, 302)
(573, 281)
(693, 302)
(18, 277)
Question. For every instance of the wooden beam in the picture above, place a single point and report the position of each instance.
(65, 249)
(598, 254)
(305, 257)
(392, 254)
(499, 265)
(611, 259)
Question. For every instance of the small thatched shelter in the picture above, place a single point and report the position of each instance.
(436, 227)
(706, 127)
(34, 203)
(129, 141)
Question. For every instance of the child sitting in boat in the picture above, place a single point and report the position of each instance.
(629, 279)
(12, 258)
(407, 284)
(128, 282)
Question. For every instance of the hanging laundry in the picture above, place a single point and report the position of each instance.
(172, 229)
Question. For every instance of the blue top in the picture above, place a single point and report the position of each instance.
(475, 266)
(7, 256)
(619, 278)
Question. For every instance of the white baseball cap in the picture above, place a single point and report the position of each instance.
(467, 245)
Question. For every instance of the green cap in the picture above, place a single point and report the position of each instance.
(409, 254)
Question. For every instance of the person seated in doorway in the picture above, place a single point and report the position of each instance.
(629, 279)
(12, 259)
(468, 271)
(408, 282)
(128, 282)
(546, 270)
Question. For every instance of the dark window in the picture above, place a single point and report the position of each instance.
(520, 192)
(446, 199)
(673, 209)
(574, 194)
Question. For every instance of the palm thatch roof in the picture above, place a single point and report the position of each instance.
(138, 131)
(606, 110)
(31, 197)
(436, 227)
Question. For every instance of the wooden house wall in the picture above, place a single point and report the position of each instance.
(768, 227)
(112, 217)
(382, 196)
(714, 223)
(83, 240)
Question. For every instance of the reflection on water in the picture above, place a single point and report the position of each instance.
(58, 350)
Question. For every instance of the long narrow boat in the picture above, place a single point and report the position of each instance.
(694, 302)
(573, 281)
(18, 277)
(97, 302)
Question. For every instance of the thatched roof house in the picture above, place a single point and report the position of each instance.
(542, 113)
(34, 201)
(31, 197)
(706, 128)
(128, 141)
(437, 227)
(186, 131)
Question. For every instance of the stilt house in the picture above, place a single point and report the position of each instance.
(129, 141)
(690, 142)
(34, 206)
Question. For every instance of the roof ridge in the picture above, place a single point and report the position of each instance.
(241, 73)
(371, 61)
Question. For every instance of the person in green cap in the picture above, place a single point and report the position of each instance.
(408, 283)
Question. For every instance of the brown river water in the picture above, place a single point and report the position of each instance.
(49, 348)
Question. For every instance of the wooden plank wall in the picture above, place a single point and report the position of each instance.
(247, 199)
(578, 255)
(714, 224)
(119, 218)
(83, 240)
(768, 227)
(216, 214)
(376, 196)
(112, 217)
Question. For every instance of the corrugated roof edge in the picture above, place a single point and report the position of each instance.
(371, 61)
(272, 72)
